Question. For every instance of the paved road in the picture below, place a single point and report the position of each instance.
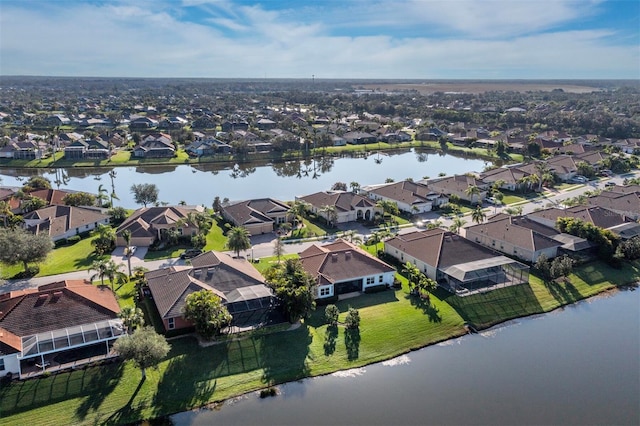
(262, 245)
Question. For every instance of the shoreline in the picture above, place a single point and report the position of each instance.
(268, 358)
(219, 404)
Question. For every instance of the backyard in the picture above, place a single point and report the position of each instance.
(192, 376)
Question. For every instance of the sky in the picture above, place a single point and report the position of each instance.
(374, 39)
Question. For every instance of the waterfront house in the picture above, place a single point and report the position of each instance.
(59, 221)
(455, 263)
(341, 267)
(411, 197)
(458, 185)
(155, 145)
(240, 286)
(258, 216)
(57, 326)
(151, 223)
(91, 149)
(513, 237)
(348, 206)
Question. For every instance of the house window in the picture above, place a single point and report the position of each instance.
(171, 323)
(380, 278)
(325, 291)
(371, 280)
(1, 364)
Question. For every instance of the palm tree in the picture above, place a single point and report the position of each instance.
(355, 187)
(126, 235)
(112, 271)
(278, 248)
(132, 317)
(112, 175)
(238, 239)
(100, 268)
(298, 210)
(472, 191)
(456, 225)
(102, 195)
(478, 216)
(330, 214)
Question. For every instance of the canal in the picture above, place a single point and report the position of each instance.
(575, 366)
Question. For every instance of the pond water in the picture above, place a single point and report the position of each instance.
(579, 365)
(199, 184)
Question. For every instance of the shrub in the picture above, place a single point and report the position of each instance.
(331, 313)
(61, 242)
(353, 318)
(74, 239)
(375, 289)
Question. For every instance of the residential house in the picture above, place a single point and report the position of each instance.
(455, 263)
(265, 124)
(23, 150)
(156, 145)
(172, 123)
(230, 126)
(504, 234)
(57, 326)
(60, 221)
(258, 216)
(621, 201)
(341, 267)
(142, 123)
(458, 185)
(208, 145)
(358, 138)
(411, 197)
(510, 177)
(240, 286)
(596, 215)
(93, 149)
(348, 206)
(56, 120)
(151, 223)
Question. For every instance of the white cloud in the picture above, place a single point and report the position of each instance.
(125, 40)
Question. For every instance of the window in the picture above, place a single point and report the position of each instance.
(171, 322)
(1, 364)
(380, 278)
(325, 291)
(371, 280)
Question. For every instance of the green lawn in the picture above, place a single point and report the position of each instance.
(215, 241)
(70, 258)
(392, 323)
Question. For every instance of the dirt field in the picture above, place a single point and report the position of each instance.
(480, 87)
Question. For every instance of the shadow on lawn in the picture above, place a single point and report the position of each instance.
(330, 337)
(127, 413)
(317, 318)
(563, 290)
(352, 342)
(426, 306)
(485, 309)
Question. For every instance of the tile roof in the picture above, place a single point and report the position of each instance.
(57, 220)
(406, 192)
(509, 230)
(213, 271)
(343, 201)
(599, 216)
(54, 306)
(341, 261)
(141, 222)
(255, 211)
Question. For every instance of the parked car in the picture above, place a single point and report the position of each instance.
(492, 200)
(189, 253)
(610, 184)
(579, 179)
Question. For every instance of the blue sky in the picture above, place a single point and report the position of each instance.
(424, 39)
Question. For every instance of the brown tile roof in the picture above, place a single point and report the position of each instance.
(457, 183)
(406, 191)
(510, 175)
(141, 222)
(51, 196)
(213, 271)
(341, 261)
(440, 248)
(627, 203)
(55, 306)
(56, 220)
(343, 201)
(254, 211)
(504, 229)
(598, 216)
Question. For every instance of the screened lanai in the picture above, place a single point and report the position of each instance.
(499, 271)
(51, 350)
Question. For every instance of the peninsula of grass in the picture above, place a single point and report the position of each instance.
(392, 323)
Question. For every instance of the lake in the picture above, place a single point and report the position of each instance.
(199, 184)
(579, 365)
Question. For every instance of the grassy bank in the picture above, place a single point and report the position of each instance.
(391, 323)
(125, 158)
